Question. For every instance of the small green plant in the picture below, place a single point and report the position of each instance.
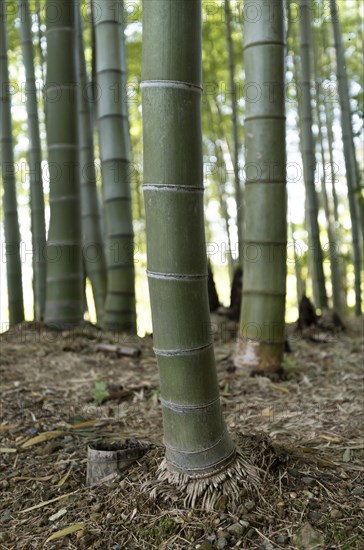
(160, 531)
(335, 531)
(155, 395)
(100, 392)
(289, 362)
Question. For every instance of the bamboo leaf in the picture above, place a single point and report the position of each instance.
(42, 437)
(86, 424)
(347, 455)
(7, 427)
(64, 478)
(283, 389)
(267, 412)
(58, 514)
(28, 478)
(45, 503)
(67, 531)
(331, 438)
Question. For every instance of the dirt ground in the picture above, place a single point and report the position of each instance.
(305, 431)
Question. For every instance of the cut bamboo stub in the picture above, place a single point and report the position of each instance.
(256, 356)
(106, 461)
(119, 350)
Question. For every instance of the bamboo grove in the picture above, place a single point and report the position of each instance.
(142, 140)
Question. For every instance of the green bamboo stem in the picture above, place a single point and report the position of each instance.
(261, 336)
(333, 250)
(236, 145)
(227, 150)
(197, 442)
(220, 185)
(93, 59)
(300, 285)
(349, 152)
(40, 36)
(329, 125)
(93, 245)
(335, 201)
(64, 294)
(310, 258)
(11, 224)
(330, 141)
(35, 165)
(115, 164)
(227, 153)
(309, 156)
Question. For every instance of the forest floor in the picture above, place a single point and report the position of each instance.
(310, 496)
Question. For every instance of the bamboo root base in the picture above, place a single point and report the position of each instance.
(206, 491)
(254, 356)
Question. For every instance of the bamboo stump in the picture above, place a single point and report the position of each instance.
(106, 461)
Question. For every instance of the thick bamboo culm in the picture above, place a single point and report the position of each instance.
(333, 245)
(92, 239)
(11, 224)
(261, 337)
(64, 294)
(196, 438)
(115, 165)
(355, 207)
(35, 167)
(234, 108)
(308, 153)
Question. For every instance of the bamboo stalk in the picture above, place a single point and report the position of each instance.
(220, 187)
(35, 165)
(11, 224)
(40, 36)
(93, 245)
(300, 285)
(261, 335)
(115, 164)
(309, 157)
(349, 152)
(196, 439)
(64, 302)
(238, 190)
(333, 247)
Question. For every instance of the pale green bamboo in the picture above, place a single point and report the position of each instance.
(35, 164)
(349, 152)
(90, 4)
(233, 154)
(93, 245)
(300, 285)
(333, 245)
(11, 224)
(326, 69)
(261, 336)
(116, 170)
(40, 36)
(308, 152)
(226, 151)
(234, 116)
(196, 438)
(335, 204)
(64, 294)
(220, 184)
(330, 142)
